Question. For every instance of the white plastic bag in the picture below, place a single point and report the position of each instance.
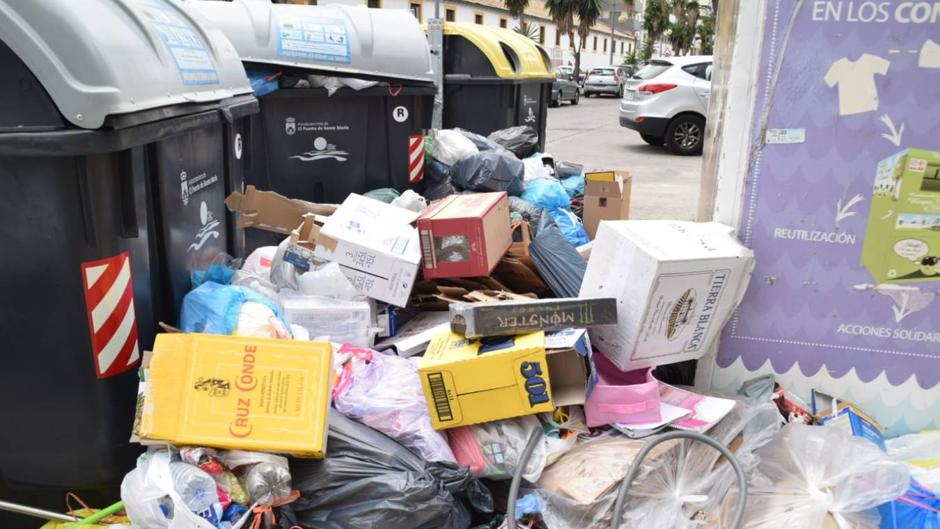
(332, 83)
(450, 146)
(327, 281)
(491, 450)
(258, 263)
(411, 201)
(384, 392)
(921, 453)
(809, 472)
(144, 488)
(534, 168)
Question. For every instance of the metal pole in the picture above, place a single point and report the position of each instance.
(37, 513)
(612, 31)
(436, 41)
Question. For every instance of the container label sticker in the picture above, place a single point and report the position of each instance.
(785, 136)
(182, 40)
(317, 39)
(112, 323)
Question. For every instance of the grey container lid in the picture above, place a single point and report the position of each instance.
(98, 58)
(334, 39)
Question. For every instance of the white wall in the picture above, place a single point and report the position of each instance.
(491, 17)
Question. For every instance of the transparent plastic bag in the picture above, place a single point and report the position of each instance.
(227, 309)
(450, 146)
(691, 482)
(807, 473)
(385, 393)
(327, 281)
(149, 496)
(491, 450)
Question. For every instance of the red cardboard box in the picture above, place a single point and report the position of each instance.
(465, 235)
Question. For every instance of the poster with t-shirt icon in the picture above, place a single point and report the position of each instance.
(842, 209)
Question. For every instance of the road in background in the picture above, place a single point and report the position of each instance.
(665, 186)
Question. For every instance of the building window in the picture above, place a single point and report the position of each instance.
(557, 38)
(415, 8)
(450, 14)
(605, 44)
(478, 17)
(595, 43)
(621, 47)
(542, 35)
(503, 22)
(375, 4)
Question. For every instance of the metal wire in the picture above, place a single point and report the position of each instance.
(37, 513)
(635, 470)
(534, 439)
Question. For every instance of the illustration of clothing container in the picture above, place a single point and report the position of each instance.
(902, 239)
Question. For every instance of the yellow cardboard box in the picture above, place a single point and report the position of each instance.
(473, 381)
(236, 393)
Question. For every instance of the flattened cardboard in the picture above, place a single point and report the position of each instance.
(506, 318)
(270, 211)
(606, 197)
(465, 235)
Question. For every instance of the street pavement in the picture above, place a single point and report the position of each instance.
(665, 186)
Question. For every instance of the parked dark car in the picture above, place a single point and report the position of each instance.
(564, 89)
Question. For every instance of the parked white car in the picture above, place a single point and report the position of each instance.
(666, 102)
(604, 80)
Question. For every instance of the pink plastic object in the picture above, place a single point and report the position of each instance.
(630, 397)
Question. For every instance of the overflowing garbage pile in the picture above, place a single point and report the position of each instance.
(501, 339)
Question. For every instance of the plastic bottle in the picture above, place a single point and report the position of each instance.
(198, 490)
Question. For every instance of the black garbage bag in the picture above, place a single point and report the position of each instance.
(557, 260)
(521, 141)
(369, 481)
(489, 171)
(483, 143)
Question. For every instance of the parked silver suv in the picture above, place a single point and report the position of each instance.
(667, 100)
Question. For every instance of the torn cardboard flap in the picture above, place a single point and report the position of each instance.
(606, 197)
(270, 211)
(308, 234)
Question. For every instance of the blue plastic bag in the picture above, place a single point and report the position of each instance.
(546, 193)
(919, 508)
(214, 309)
(574, 185)
(570, 227)
(263, 81)
(216, 273)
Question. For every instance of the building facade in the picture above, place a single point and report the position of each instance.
(597, 51)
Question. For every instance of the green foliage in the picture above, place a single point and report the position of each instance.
(647, 52)
(529, 30)
(631, 58)
(706, 32)
(516, 7)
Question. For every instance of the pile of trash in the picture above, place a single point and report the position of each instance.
(501, 340)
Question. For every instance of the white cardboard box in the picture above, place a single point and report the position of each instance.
(676, 283)
(376, 247)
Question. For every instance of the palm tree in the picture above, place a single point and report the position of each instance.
(564, 13)
(517, 10)
(655, 22)
(682, 31)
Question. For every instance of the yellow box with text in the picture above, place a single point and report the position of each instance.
(236, 393)
(472, 381)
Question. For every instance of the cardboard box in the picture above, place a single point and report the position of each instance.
(375, 246)
(606, 197)
(465, 235)
(269, 211)
(570, 366)
(473, 381)
(902, 236)
(835, 413)
(507, 318)
(676, 284)
(236, 393)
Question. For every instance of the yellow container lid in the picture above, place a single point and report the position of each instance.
(512, 55)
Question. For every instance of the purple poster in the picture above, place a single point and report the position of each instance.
(842, 202)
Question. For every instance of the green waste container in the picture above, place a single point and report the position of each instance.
(494, 78)
(117, 149)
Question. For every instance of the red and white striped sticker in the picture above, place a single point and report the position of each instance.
(415, 158)
(109, 300)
